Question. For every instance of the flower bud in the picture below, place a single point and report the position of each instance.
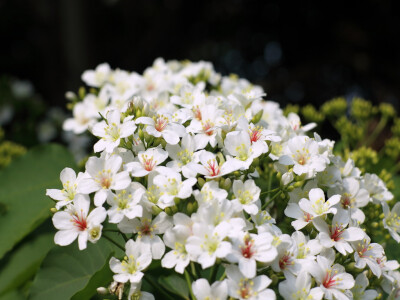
(201, 182)
(82, 92)
(155, 210)
(102, 290)
(257, 117)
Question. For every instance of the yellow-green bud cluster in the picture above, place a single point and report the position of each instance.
(392, 147)
(396, 127)
(364, 158)
(387, 110)
(387, 178)
(335, 107)
(310, 114)
(10, 151)
(362, 109)
(291, 108)
(349, 130)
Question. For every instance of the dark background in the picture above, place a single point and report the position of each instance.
(300, 51)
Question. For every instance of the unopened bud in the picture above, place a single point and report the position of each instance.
(174, 209)
(102, 290)
(155, 210)
(257, 117)
(189, 208)
(168, 211)
(53, 210)
(227, 184)
(201, 182)
(82, 92)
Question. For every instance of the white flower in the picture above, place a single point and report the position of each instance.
(376, 188)
(104, 176)
(148, 231)
(125, 203)
(175, 238)
(205, 126)
(211, 168)
(316, 205)
(392, 220)
(367, 253)
(111, 131)
(337, 235)
(136, 260)
(240, 287)
(146, 162)
(207, 243)
(247, 249)
(203, 291)
(76, 222)
(238, 144)
(331, 279)
(299, 288)
(182, 155)
(171, 186)
(352, 197)
(161, 126)
(303, 218)
(98, 77)
(83, 118)
(70, 189)
(359, 292)
(247, 196)
(303, 153)
(136, 293)
(209, 193)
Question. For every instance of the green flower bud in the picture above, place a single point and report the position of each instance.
(156, 210)
(364, 158)
(190, 208)
(257, 117)
(387, 110)
(168, 211)
(177, 201)
(290, 108)
(335, 107)
(82, 92)
(362, 109)
(396, 127)
(310, 114)
(174, 209)
(201, 182)
(227, 184)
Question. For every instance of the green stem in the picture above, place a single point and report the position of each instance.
(270, 200)
(222, 277)
(189, 283)
(270, 191)
(193, 268)
(114, 242)
(213, 273)
(377, 130)
(117, 231)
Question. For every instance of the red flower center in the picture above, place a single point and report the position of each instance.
(213, 167)
(80, 221)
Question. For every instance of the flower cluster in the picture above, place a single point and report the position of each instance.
(199, 172)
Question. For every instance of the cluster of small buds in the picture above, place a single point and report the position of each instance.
(199, 172)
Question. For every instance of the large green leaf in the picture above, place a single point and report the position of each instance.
(13, 295)
(24, 262)
(22, 191)
(175, 284)
(67, 270)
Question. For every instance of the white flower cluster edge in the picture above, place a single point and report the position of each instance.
(179, 154)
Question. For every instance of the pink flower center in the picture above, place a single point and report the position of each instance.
(329, 280)
(255, 134)
(207, 127)
(285, 261)
(336, 233)
(148, 163)
(161, 123)
(197, 113)
(307, 217)
(80, 221)
(213, 168)
(246, 249)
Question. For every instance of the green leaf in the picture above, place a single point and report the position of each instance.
(101, 278)
(67, 270)
(24, 262)
(174, 284)
(13, 295)
(23, 188)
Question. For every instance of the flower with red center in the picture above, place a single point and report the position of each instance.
(336, 232)
(208, 127)
(147, 161)
(77, 222)
(160, 123)
(255, 134)
(213, 167)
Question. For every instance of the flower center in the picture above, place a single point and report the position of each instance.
(213, 167)
(129, 265)
(148, 163)
(104, 179)
(161, 123)
(247, 248)
(113, 131)
(80, 221)
(286, 260)
(245, 288)
(255, 134)
(208, 127)
(336, 233)
(329, 280)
